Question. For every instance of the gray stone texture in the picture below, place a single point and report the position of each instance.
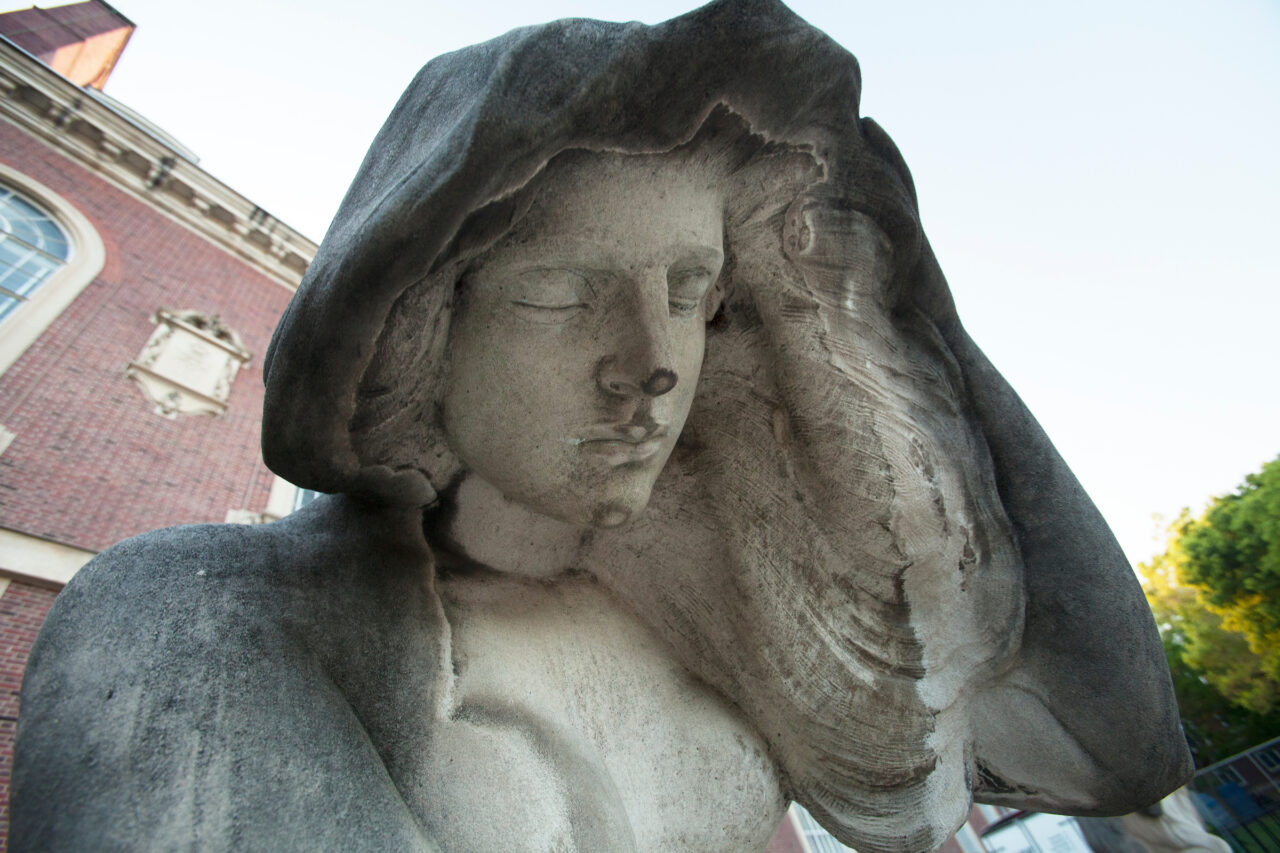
(863, 579)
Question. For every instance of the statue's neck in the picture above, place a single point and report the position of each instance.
(481, 527)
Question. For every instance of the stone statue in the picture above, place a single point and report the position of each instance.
(1173, 825)
(665, 487)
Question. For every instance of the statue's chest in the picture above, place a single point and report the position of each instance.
(570, 728)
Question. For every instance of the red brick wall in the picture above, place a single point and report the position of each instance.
(91, 462)
(22, 611)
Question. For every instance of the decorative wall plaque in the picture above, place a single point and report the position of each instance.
(188, 364)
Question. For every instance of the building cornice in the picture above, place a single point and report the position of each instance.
(55, 110)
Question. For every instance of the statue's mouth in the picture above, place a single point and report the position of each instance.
(624, 442)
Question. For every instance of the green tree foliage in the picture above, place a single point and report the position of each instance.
(1215, 593)
(1233, 554)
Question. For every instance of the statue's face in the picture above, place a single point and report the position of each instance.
(575, 348)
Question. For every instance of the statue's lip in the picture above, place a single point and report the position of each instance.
(624, 450)
(623, 443)
(625, 433)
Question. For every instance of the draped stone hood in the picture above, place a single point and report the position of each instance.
(478, 124)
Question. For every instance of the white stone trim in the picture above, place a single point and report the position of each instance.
(280, 500)
(170, 396)
(244, 516)
(234, 346)
(6, 438)
(30, 319)
(108, 142)
(279, 504)
(31, 558)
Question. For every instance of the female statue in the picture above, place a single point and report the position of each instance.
(665, 487)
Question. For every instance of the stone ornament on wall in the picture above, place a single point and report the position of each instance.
(188, 363)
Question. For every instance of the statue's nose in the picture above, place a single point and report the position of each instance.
(641, 363)
(623, 377)
(614, 377)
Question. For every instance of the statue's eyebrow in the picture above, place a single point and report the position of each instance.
(698, 253)
(582, 273)
(567, 248)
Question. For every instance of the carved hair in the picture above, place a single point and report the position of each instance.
(397, 423)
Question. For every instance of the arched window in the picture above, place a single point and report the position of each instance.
(32, 248)
(49, 253)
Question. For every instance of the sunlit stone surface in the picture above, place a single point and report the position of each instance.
(667, 488)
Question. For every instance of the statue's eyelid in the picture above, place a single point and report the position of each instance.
(681, 276)
(578, 282)
(687, 287)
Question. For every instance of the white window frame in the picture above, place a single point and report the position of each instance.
(968, 839)
(85, 260)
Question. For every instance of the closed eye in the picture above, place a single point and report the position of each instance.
(549, 295)
(687, 287)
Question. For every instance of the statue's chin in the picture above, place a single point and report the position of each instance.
(608, 514)
(600, 507)
(613, 514)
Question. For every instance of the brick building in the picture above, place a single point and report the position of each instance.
(137, 297)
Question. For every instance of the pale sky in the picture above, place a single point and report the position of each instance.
(1099, 181)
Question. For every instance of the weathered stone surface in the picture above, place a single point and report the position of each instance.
(1173, 826)
(669, 486)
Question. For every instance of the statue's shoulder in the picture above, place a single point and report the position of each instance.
(199, 684)
(335, 548)
(176, 560)
(168, 579)
(183, 599)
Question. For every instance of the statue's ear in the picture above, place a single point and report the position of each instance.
(1086, 721)
(714, 300)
